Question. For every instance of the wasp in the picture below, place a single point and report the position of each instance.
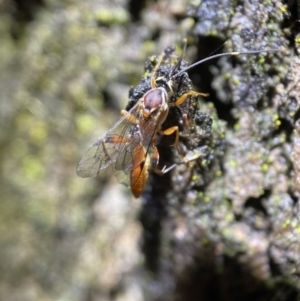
(130, 146)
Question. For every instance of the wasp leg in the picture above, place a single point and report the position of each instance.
(170, 131)
(129, 117)
(155, 161)
(153, 84)
(183, 97)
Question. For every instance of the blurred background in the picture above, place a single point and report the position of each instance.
(65, 71)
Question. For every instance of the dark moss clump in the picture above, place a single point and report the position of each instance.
(199, 142)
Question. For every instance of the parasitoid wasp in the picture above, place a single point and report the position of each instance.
(130, 146)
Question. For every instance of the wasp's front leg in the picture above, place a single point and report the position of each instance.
(153, 83)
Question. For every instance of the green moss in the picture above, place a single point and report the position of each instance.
(265, 168)
(112, 16)
(84, 123)
(33, 167)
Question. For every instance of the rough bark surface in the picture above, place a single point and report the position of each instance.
(222, 227)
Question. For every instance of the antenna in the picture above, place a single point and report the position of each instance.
(233, 53)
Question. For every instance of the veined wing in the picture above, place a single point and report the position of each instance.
(116, 148)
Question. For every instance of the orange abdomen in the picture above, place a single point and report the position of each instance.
(139, 175)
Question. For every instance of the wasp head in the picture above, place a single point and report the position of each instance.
(165, 83)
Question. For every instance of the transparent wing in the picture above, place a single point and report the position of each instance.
(123, 174)
(116, 148)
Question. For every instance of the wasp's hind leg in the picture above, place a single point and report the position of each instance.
(170, 131)
(155, 161)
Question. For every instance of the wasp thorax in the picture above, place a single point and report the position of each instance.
(153, 100)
